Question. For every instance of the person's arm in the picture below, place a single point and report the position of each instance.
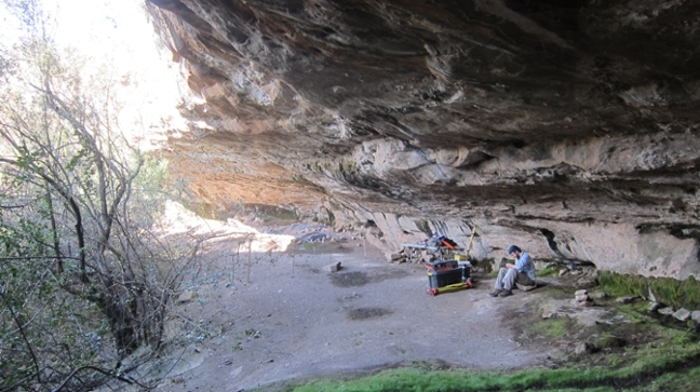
(522, 261)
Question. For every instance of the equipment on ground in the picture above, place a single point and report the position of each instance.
(448, 275)
(437, 247)
(449, 267)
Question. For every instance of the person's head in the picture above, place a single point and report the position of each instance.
(514, 251)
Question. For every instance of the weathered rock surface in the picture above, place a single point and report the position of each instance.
(569, 128)
(695, 316)
(667, 311)
(682, 314)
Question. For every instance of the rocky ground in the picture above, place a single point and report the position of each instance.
(291, 317)
(265, 319)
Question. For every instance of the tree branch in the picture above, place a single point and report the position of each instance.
(20, 327)
(105, 372)
(75, 209)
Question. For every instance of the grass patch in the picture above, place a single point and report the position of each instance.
(677, 293)
(610, 341)
(552, 328)
(653, 371)
(548, 271)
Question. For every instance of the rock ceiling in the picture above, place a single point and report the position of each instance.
(568, 127)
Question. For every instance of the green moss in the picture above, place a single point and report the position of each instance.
(653, 372)
(685, 293)
(614, 360)
(307, 246)
(487, 266)
(330, 222)
(551, 328)
(621, 285)
(610, 341)
(424, 226)
(549, 271)
(635, 312)
(347, 168)
(320, 166)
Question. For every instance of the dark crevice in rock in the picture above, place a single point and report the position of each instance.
(680, 231)
(549, 236)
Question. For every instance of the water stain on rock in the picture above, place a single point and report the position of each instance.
(358, 278)
(367, 313)
(350, 279)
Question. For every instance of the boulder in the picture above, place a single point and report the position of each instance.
(695, 316)
(682, 314)
(667, 311)
(397, 256)
(627, 300)
(586, 282)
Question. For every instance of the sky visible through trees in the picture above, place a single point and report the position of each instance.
(86, 278)
(116, 34)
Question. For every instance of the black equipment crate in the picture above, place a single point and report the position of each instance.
(442, 265)
(440, 278)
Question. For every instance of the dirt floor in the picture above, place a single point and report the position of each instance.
(267, 319)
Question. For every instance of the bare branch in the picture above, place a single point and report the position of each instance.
(104, 372)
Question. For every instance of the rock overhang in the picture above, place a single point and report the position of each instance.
(575, 119)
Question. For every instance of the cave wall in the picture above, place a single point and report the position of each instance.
(567, 127)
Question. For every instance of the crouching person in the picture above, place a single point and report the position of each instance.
(522, 272)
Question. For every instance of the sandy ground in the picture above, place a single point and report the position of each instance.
(281, 317)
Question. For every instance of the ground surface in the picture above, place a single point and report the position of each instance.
(287, 317)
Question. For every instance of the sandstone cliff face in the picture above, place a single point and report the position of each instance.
(567, 127)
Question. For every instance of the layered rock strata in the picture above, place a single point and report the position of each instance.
(569, 128)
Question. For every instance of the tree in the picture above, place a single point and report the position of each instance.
(85, 280)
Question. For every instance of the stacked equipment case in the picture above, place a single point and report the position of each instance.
(448, 275)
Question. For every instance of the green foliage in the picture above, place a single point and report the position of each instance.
(650, 372)
(150, 189)
(548, 271)
(38, 320)
(553, 328)
(84, 279)
(669, 291)
(609, 341)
